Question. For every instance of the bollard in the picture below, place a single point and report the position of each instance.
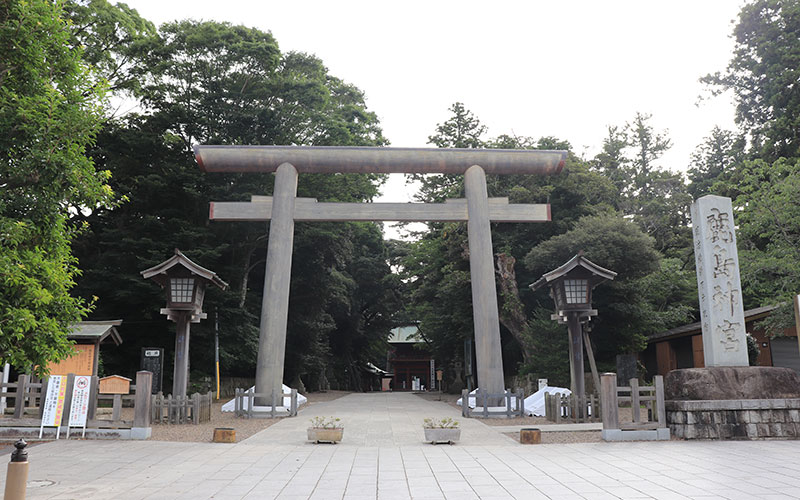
(530, 436)
(17, 475)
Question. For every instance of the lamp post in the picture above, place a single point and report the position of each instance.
(185, 283)
(571, 288)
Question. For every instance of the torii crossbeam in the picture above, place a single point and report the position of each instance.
(284, 208)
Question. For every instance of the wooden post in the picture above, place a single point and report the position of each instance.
(486, 319)
(196, 408)
(609, 403)
(590, 354)
(293, 402)
(275, 302)
(660, 409)
(19, 396)
(180, 372)
(635, 403)
(141, 405)
(576, 340)
(94, 389)
(116, 407)
(464, 403)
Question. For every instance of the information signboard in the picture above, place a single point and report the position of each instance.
(153, 361)
(53, 409)
(79, 408)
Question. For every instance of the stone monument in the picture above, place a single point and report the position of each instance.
(718, 286)
(727, 399)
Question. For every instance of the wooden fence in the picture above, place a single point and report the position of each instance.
(652, 397)
(249, 411)
(562, 408)
(171, 409)
(27, 397)
(485, 404)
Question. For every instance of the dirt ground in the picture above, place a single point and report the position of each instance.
(245, 427)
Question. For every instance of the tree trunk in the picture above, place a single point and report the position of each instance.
(512, 314)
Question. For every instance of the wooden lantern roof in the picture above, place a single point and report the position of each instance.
(595, 273)
(160, 273)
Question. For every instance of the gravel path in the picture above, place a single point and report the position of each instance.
(245, 427)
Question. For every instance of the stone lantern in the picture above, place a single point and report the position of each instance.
(185, 283)
(571, 288)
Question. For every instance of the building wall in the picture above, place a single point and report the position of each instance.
(687, 351)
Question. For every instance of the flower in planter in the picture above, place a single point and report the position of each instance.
(326, 423)
(442, 423)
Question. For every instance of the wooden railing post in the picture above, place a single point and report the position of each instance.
(19, 397)
(94, 390)
(635, 403)
(608, 401)
(660, 410)
(141, 406)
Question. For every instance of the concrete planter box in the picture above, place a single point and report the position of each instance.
(321, 435)
(442, 435)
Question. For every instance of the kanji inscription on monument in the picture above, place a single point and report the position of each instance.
(718, 285)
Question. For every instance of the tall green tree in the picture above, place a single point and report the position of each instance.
(215, 83)
(763, 75)
(50, 110)
(715, 159)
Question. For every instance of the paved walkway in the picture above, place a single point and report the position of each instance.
(382, 457)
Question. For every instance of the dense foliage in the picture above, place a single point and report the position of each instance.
(50, 111)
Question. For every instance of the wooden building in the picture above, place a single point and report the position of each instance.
(409, 360)
(88, 336)
(682, 347)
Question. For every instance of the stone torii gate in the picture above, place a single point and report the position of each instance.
(284, 208)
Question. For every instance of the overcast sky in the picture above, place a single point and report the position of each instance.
(532, 68)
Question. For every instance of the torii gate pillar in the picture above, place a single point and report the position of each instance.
(485, 315)
(275, 302)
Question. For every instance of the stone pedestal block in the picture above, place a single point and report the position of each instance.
(732, 382)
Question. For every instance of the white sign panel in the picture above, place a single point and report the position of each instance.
(53, 409)
(79, 408)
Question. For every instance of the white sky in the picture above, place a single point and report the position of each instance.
(532, 68)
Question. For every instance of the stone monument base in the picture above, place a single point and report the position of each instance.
(747, 402)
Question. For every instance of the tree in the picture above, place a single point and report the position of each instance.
(629, 308)
(714, 160)
(768, 217)
(763, 75)
(462, 130)
(50, 110)
(655, 197)
(214, 83)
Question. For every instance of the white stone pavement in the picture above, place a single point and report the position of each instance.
(383, 457)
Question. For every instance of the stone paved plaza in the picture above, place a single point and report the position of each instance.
(383, 457)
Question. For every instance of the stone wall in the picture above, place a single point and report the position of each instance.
(734, 419)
